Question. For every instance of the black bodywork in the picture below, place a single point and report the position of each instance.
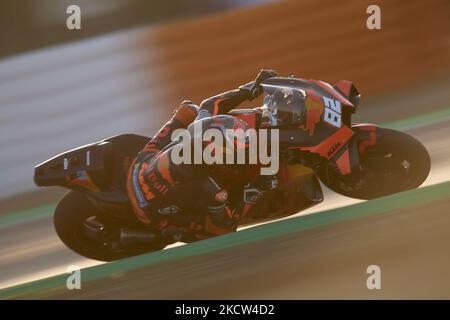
(98, 170)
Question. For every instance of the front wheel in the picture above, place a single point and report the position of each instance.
(397, 162)
(71, 215)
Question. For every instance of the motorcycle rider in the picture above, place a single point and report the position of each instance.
(162, 192)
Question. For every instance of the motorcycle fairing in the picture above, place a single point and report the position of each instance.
(89, 168)
(347, 159)
(83, 180)
(349, 91)
(325, 123)
(366, 134)
(298, 189)
(83, 168)
(330, 146)
(334, 93)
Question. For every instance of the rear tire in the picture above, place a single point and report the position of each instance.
(397, 162)
(72, 210)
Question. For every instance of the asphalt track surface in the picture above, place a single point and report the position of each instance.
(319, 256)
(30, 250)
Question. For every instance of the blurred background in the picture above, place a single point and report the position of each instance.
(133, 61)
(30, 24)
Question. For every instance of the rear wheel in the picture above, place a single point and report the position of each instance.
(73, 215)
(396, 163)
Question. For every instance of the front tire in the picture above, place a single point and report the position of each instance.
(397, 162)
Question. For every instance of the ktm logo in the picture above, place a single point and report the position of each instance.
(332, 114)
(333, 148)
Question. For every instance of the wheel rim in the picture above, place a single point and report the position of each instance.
(388, 168)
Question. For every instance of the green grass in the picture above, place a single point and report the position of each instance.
(420, 120)
(28, 214)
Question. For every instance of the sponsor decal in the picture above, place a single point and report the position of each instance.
(172, 209)
(222, 196)
(333, 148)
(332, 114)
(137, 191)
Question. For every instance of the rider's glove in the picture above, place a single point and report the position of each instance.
(254, 88)
(265, 74)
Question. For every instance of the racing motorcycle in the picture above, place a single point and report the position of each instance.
(318, 142)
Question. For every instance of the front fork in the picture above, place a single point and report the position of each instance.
(364, 136)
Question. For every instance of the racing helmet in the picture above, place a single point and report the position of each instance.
(233, 132)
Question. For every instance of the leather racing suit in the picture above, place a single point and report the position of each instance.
(162, 192)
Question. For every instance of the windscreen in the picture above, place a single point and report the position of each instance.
(284, 106)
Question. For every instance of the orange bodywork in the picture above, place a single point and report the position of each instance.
(330, 146)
